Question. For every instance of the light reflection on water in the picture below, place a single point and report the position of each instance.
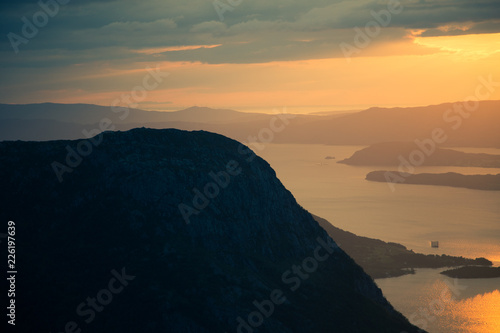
(440, 304)
(481, 313)
(466, 222)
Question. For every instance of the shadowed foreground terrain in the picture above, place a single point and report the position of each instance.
(386, 259)
(109, 249)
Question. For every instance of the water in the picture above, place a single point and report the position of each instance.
(440, 304)
(465, 222)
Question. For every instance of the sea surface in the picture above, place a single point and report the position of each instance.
(465, 222)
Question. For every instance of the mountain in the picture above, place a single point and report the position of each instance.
(51, 121)
(425, 153)
(173, 231)
(211, 116)
(386, 259)
(479, 128)
(40, 130)
(92, 114)
(68, 113)
(453, 179)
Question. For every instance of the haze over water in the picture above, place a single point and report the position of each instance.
(465, 222)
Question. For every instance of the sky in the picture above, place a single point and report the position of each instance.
(255, 55)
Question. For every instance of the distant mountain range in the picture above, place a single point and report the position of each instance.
(173, 231)
(479, 128)
(427, 154)
(92, 114)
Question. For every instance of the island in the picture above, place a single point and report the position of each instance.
(386, 259)
(453, 179)
(473, 272)
(402, 153)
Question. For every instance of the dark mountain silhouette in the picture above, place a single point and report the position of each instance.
(453, 179)
(387, 259)
(398, 153)
(108, 249)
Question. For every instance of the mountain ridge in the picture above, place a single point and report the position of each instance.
(470, 129)
(86, 114)
(118, 212)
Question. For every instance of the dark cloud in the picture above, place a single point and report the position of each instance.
(86, 32)
(457, 30)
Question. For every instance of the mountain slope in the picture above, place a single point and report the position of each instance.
(109, 249)
(90, 114)
(479, 128)
(381, 259)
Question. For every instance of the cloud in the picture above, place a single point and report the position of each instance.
(469, 28)
(141, 27)
(213, 27)
(119, 34)
(265, 27)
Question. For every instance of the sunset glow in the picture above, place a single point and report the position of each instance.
(247, 166)
(249, 62)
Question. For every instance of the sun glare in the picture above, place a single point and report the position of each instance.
(470, 47)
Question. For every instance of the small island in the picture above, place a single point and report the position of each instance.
(400, 153)
(453, 179)
(473, 272)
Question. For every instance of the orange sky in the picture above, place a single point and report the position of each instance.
(445, 69)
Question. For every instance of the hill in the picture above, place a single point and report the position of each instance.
(92, 114)
(173, 231)
(375, 125)
(385, 259)
(479, 128)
